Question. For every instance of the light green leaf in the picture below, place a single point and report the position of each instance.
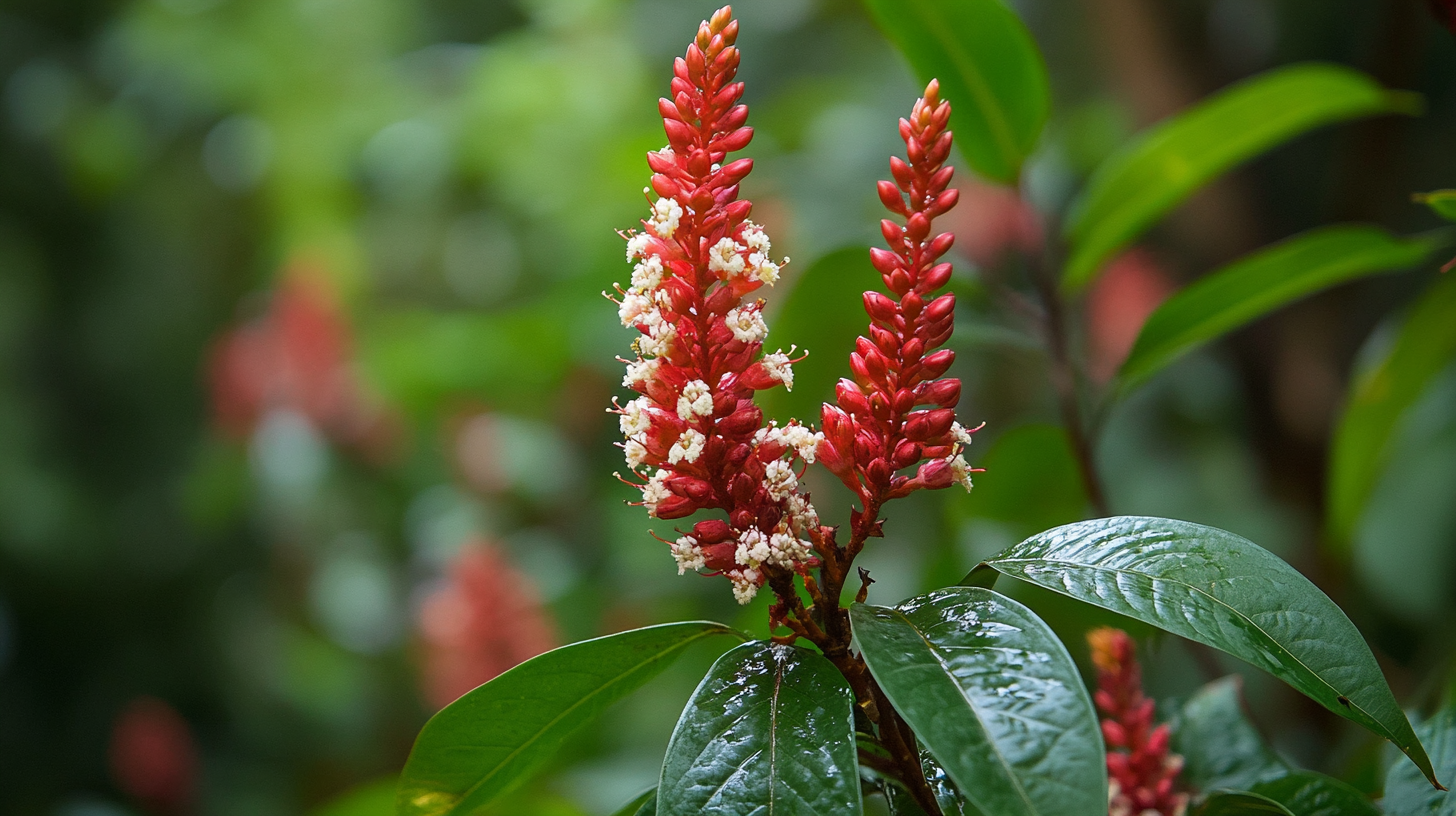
(484, 744)
(1224, 591)
(993, 696)
(1307, 793)
(370, 799)
(1219, 746)
(1442, 202)
(1379, 398)
(648, 799)
(1406, 794)
(770, 731)
(1239, 803)
(1262, 282)
(1163, 166)
(990, 71)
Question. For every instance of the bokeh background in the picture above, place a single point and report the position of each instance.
(304, 364)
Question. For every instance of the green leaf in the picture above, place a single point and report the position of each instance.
(990, 71)
(1256, 285)
(1037, 484)
(370, 799)
(1442, 202)
(1406, 793)
(1379, 398)
(1307, 793)
(1164, 165)
(769, 731)
(485, 743)
(1223, 591)
(1219, 746)
(648, 800)
(994, 697)
(1239, 803)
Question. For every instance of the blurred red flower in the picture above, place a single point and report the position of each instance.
(991, 221)
(1131, 288)
(1141, 769)
(485, 619)
(153, 758)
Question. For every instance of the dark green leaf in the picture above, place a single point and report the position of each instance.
(989, 70)
(1406, 793)
(1220, 747)
(1262, 282)
(951, 802)
(1138, 186)
(1239, 803)
(1226, 592)
(1379, 398)
(1442, 202)
(994, 697)
(490, 740)
(769, 731)
(1307, 793)
(1037, 483)
(648, 799)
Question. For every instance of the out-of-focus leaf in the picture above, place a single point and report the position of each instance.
(769, 730)
(1441, 202)
(485, 743)
(1239, 803)
(823, 315)
(648, 799)
(1036, 483)
(994, 697)
(370, 799)
(1424, 347)
(1406, 793)
(951, 802)
(1256, 285)
(1313, 794)
(989, 68)
(1138, 186)
(1224, 591)
(1219, 746)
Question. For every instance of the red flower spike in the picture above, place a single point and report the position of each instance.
(897, 367)
(153, 757)
(694, 437)
(1143, 772)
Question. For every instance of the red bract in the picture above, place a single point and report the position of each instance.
(695, 436)
(153, 757)
(897, 412)
(1143, 772)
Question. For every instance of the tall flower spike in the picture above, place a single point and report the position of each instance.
(879, 427)
(694, 437)
(1142, 771)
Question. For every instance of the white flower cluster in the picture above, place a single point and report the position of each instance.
(959, 467)
(804, 441)
(730, 258)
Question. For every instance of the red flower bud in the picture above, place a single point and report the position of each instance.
(712, 531)
(675, 507)
(880, 307)
(906, 454)
(945, 393)
(890, 197)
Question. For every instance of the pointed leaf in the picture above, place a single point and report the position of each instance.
(770, 732)
(482, 745)
(1307, 793)
(1224, 591)
(1239, 803)
(1406, 793)
(1219, 746)
(1379, 398)
(1256, 285)
(1441, 202)
(1159, 170)
(994, 697)
(990, 71)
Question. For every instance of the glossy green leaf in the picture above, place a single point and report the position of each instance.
(1307, 793)
(769, 731)
(1441, 202)
(485, 743)
(648, 799)
(1258, 284)
(990, 71)
(1406, 793)
(951, 802)
(1223, 591)
(1219, 746)
(1379, 398)
(1163, 166)
(1239, 803)
(994, 697)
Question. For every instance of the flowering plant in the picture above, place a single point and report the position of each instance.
(960, 700)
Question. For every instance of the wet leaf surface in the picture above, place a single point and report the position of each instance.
(1239, 803)
(1406, 793)
(1307, 793)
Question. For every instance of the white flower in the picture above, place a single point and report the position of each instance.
(687, 448)
(688, 555)
(746, 323)
(745, 584)
(763, 269)
(777, 365)
(635, 452)
(960, 433)
(754, 237)
(802, 515)
(647, 275)
(802, 440)
(637, 246)
(635, 419)
(962, 471)
(724, 257)
(640, 372)
(666, 152)
(779, 479)
(696, 400)
(632, 308)
(658, 342)
(665, 216)
(655, 491)
(787, 550)
(753, 549)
